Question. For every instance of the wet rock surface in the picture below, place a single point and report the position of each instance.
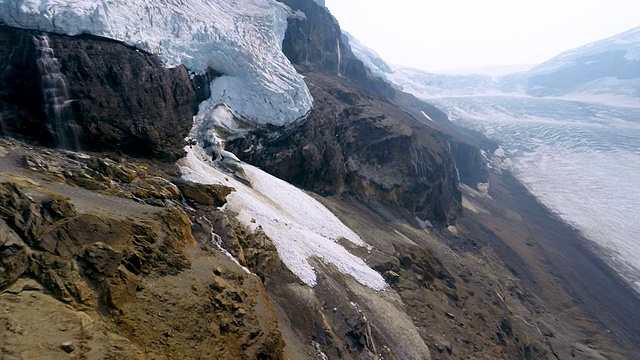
(121, 98)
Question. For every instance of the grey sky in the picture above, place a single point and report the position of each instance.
(470, 34)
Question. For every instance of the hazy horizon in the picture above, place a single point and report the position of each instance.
(465, 36)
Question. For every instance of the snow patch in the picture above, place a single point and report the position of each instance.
(300, 227)
(427, 116)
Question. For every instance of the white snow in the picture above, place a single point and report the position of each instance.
(300, 227)
(629, 41)
(240, 38)
(427, 116)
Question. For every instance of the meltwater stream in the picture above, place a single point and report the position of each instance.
(581, 160)
(56, 98)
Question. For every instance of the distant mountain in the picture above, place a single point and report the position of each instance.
(609, 66)
(419, 82)
(602, 71)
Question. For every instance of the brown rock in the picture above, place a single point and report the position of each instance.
(150, 188)
(205, 194)
(102, 259)
(122, 172)
(121, 288)
(14, 259)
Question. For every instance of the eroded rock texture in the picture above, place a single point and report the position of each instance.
(122, 287)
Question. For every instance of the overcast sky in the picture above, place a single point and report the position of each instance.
(447, 35)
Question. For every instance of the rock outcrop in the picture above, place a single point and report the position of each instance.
(357, 143)
(317, 40)
(122, 287)
(122, 99)
(359, 138)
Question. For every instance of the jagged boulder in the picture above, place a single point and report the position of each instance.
(205, 194)
(14, 259)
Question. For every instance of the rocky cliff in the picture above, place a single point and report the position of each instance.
(357, 138)
(106, 255)
(318, 40)
(103, 276)
(121, 99)
(356, 143)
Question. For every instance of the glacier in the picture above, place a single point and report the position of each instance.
(242, 39)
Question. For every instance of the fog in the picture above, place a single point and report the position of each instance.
(480, 36)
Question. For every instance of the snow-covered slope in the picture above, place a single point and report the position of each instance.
(240, 38)
(627, 42)
(421, 83)
(300, 227)
(603, 68)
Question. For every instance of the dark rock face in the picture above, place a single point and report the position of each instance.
(318, 41)
(472, 167)
(122, 99)
(21, 110)
(360, 144)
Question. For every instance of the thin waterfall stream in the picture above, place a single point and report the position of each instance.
(57, 104)
(339, 56)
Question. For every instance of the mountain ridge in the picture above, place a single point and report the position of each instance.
(602, 71)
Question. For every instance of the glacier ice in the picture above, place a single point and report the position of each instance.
(240, 38)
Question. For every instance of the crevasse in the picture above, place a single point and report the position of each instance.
(240, 38)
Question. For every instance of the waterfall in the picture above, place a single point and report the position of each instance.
(56, 99)
(339, 55)
(455, 165)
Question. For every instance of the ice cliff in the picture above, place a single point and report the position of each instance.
(242, 39)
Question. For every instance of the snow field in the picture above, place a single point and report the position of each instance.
(300, 227)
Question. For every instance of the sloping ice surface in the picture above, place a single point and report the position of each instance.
(240, 38)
